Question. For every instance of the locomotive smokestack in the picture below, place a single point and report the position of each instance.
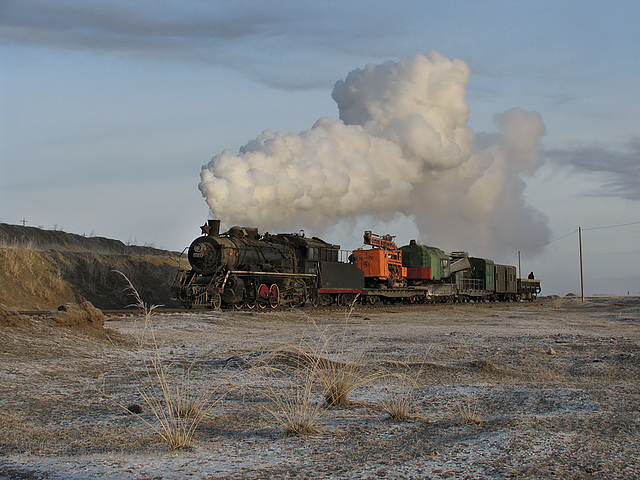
(214, 228)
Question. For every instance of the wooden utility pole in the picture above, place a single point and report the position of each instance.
(519, 266)
(581, 271)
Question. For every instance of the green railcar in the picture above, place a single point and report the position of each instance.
(479, 281)
(424, 263)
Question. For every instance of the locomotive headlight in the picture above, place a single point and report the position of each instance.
(199, 250)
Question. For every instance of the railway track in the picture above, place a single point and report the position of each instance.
(132, 312)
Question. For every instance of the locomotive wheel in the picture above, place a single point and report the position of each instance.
(300, 293)
(216, 301)
(274, 296)
(263, 296)
(238, 306)
(313, 299)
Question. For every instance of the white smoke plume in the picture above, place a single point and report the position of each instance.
(401, 145)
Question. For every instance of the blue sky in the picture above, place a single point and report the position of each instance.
(109, 110)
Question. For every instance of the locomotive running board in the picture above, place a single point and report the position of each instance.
(271, 274)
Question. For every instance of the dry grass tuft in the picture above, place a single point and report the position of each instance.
(338, 374)
(468, 413)
(556, 302)
(296, 408)
(178, 406)
(317, 363)
(401, 402)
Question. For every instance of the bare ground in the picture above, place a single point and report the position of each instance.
(549, 389)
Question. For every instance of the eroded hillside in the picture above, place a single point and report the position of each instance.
(42, 269)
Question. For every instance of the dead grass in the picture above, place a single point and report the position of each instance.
(296, 407)
(400, 404)
(178, 405)
(468, 412)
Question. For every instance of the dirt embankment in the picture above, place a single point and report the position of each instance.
(42, 269)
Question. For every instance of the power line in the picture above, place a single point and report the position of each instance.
(551, 241)
(576, 231)
(612, 226)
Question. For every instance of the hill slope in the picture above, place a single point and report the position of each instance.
(41, 269)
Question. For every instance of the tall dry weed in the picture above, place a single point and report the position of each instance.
(178, 404)
(296, 406)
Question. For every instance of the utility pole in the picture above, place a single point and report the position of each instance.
(581, 271)
(24, 221)
(519, 266)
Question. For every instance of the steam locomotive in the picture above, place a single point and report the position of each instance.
(243, 269)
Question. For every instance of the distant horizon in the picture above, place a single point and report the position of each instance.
(181, 251)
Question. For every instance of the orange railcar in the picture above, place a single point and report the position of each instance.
(381, 264)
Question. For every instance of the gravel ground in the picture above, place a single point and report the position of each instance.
(547, 389)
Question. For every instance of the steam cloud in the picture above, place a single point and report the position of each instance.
(401, 145)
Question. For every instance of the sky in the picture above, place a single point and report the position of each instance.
(494, 127)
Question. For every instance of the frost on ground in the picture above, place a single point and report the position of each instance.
(546, 389)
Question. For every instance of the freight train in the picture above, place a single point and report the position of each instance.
(243, 269)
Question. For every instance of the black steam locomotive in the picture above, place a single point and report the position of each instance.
(241, 268)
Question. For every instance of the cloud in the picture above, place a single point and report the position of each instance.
(260, 39)
(400, 146)
(619, 168)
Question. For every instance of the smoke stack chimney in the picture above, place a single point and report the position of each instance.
(214, 228)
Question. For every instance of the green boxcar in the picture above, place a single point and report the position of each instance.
(424, 262)
(480, 280)
(485, 270)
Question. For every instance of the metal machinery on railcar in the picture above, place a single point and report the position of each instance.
(420, 273)
(241, 268)
(476, 282)
(429, 270)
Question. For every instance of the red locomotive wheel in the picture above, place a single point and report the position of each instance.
(263, 296)
(274, 296)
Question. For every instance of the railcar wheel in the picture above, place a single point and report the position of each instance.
(325, 300)
(274, 296)
(345, 299)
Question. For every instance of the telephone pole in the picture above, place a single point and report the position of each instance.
(581, 271)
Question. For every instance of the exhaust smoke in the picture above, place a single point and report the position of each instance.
(401, 145)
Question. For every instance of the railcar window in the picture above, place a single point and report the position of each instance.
(313, 254)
